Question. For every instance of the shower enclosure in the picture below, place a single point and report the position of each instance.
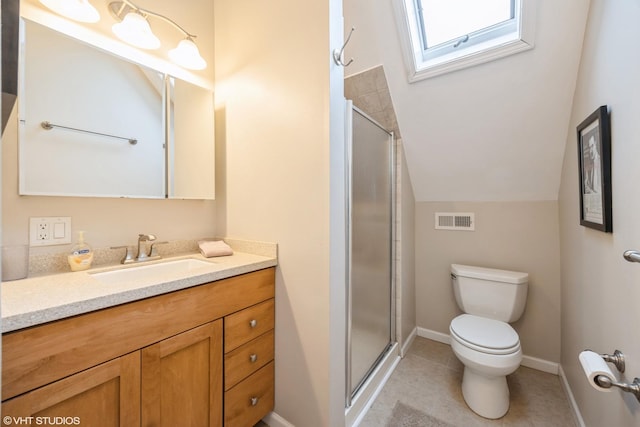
(370, 284)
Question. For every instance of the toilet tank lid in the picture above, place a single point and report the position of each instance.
(506, 276)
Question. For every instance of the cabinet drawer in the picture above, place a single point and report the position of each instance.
(252, 399)
(248, 358)
(245, 325)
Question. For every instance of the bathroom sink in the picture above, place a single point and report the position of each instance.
(169, 268)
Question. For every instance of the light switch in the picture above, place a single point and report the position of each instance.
(59, 230)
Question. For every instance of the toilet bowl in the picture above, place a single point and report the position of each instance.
(482, 339)
(489, 350)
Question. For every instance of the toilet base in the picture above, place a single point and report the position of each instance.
(486, 396)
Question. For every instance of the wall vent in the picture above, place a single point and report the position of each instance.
(464, 221)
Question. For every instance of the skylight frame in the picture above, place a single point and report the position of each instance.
(487, 44)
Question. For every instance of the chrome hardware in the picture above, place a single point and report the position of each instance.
(253, 323)
(253, 358)
(254, 401)
(153, 251)
(617, 359)
(146, 250)
(128, 256)
(48, 126)
(338, 54)
(632, 256)
(143, 255)
(606, 382)
(461, 40)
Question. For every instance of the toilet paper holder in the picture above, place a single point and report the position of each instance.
(617, 359)
(633, 387)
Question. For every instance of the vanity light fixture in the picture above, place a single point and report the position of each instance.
(134, 29)
(78, 10)
(186, 54)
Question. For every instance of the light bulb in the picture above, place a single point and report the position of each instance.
(78, 10)
(187, 55)
(135, 30)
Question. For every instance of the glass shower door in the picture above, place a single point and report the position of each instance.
(370, 320)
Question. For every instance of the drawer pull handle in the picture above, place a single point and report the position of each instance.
(253, 358)
(253, 323)
(254, 401)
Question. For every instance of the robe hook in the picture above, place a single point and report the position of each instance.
(338, 54)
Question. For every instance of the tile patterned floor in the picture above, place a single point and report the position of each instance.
(429, 378)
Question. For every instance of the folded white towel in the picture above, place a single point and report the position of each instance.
(210, 248)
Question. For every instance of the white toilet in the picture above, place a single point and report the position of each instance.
(482, 338)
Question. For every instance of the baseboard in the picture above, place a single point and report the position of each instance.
(577, 416)
(528, 361)
(275, 420)
(408, 342)
(540, 364)
(433, 335)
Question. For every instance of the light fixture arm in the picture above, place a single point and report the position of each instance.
(118, 9)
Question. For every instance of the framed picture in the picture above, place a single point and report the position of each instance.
(594, 159)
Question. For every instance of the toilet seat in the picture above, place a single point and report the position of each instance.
(485, 335)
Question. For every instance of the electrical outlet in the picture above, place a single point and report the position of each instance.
(48, 231)
(42, 232)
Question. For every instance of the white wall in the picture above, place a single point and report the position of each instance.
(274, 91)
(600, 290)
(492, 132)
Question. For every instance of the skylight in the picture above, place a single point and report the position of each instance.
(448, 20)
(447, 35)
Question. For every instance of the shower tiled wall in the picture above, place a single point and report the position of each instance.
(370, 93)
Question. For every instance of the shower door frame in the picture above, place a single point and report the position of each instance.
(350, 391)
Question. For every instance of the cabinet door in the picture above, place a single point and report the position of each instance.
(103, 396)
(182, 379)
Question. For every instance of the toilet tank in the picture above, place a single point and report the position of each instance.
(488, 292)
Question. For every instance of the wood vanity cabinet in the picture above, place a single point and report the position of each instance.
(162, 361)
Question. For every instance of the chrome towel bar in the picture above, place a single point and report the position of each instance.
(48, 126)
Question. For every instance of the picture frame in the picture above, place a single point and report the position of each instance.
(594, 160)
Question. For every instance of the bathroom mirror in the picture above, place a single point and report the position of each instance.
(191, 148)
(92, 124)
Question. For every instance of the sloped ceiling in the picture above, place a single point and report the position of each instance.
(492, 132)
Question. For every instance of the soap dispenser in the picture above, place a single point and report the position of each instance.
(81, 254)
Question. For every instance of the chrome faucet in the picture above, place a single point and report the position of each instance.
(142, 247)
(146, 250)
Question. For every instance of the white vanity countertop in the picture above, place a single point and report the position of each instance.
(38, 300)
